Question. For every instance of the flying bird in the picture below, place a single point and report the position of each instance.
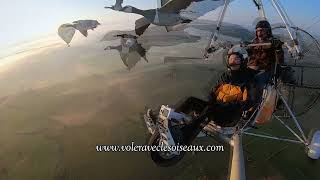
(170, 13)
(67, 31)
(117, 6)
(130, 50)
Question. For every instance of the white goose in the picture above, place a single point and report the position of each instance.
(130, 50)
(67, 31)
(171, 13)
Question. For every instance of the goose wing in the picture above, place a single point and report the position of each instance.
(142, 51)
(124, 58)
(66, 32)
(133, 58)
(119, 3)
(174, 6)
(141, 25)
(84, 25)
(192, 9)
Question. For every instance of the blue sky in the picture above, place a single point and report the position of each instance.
(27, 20)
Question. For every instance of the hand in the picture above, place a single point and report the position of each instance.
(244, 43)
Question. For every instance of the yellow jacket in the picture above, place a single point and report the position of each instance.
(227, 93)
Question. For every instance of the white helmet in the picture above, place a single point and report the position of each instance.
(237, 49)
(241, 52)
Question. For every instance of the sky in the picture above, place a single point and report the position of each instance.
(24, 21)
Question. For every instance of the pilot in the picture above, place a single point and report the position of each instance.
(263, 58)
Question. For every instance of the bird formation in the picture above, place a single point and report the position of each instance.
(172, 14)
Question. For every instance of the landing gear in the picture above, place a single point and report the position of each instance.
(172, 129)
(313, 149)
(164, 158)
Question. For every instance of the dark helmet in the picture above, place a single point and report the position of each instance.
(265, 25)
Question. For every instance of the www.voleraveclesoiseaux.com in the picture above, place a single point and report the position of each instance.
(161, 148)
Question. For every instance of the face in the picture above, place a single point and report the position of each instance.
(261, 33)
(234, 62)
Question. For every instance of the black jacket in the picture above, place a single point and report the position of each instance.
(244, 78)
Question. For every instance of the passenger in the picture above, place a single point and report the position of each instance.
(232, 94)
(238, 77)
(235, 89)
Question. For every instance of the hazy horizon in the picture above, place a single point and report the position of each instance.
(26, 21)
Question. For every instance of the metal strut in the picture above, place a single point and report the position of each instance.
(292, 115)
(288, 25)
(272, 137)
(237, 171)
(214, 36)
(259, 5)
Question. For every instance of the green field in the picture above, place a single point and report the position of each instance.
(54, 110)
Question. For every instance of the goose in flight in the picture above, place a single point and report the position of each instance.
(67, 31)
(171, 13)
(130, 50)
(133, 48)
(117, 6)
(155, 37)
